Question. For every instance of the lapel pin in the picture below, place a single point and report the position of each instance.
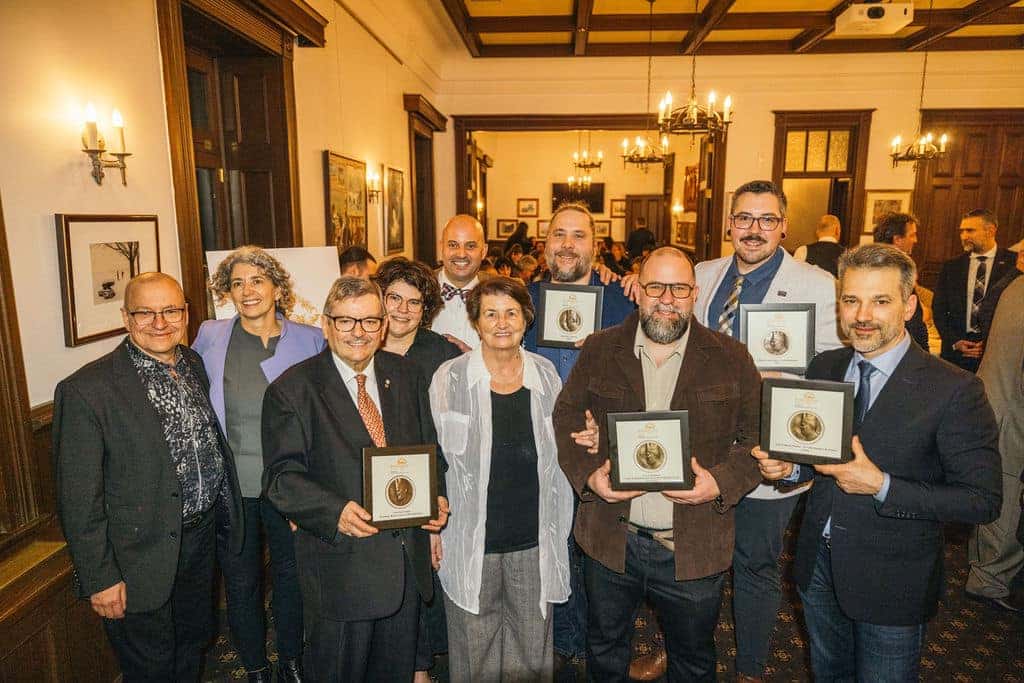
(781, 292)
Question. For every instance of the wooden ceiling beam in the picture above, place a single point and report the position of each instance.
(456, 10)
(584, 10)
(713, 13)
(968, 15)
(811, 37)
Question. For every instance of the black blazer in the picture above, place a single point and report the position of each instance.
(429, 350)
(933, 431)
(313, 440)
(949, 307)
(118, 496)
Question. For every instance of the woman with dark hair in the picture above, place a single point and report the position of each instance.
(520, 237)
(505, 556)
(243, 355)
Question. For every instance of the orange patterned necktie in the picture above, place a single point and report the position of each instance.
(371, 416)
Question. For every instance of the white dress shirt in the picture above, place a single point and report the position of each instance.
(348, 376)
(972, 272)
(452, 318)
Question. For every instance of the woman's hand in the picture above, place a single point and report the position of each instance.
(589, 438)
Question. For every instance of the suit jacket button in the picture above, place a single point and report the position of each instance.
(622, 519)
(174, 536)
(396, 533)
(174, 494)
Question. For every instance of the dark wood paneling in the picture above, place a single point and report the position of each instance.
(812, 36)
(417, 104)
(968, 15)
(584, 10)
(460, 19)
(713, 13)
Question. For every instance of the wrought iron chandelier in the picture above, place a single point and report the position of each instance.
(643, 152)
(582, 160)
(694, 118)
(923, 147)
(579, 184)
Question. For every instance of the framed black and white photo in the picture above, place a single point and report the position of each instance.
(779, 337)
(602, 228)
(618, 208)
(400, 485)
(807, 421)
(542, 228)
(527, 208)
(98, 255)
(650, 451)
(568, 313)
(505, 226)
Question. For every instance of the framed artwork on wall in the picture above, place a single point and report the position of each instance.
(542, 228)
(882, 202)
(505, 226)
(345, 205)
(394, 217)
(691, 178)
(618, 208)
(98, 255)
(527, 208)
(602, 228)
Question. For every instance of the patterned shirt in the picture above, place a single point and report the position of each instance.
(189, 427)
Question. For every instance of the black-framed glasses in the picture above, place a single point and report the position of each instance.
(744, 221)
(143, 318)
(655, 290)
(343, 323)
(395, 301)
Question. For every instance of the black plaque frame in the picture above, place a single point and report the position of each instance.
(370, 453)
(545, 287)
(809, 308)
(683, 417)
(845, 388)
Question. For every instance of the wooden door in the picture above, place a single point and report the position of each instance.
(424, 221)
(256, 151)
(207, 142)
(652, 208)
(983, 169)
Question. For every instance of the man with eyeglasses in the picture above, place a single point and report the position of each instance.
(140, 464)
(761, 271)
(670, 547)
(361, 586)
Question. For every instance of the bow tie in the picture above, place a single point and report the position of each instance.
(449, 292)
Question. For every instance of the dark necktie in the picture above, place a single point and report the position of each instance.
(731, 304)
(862, 400)
(449, 292)
(979, 292)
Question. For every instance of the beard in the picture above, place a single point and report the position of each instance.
(576, 272)
(751, 243)
(883, 334)
(664, 330)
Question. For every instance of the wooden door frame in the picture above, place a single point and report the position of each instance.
(860, 121)
(275, 29)
(424, 121)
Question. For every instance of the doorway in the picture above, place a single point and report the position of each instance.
(424, 121)
(647, 210)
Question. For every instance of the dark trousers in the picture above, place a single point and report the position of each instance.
(167, 643)
(570, 617)
(687, 611)
(844, 650)
(432, 638)
(374, 650)
(243, 586)
(757, 592)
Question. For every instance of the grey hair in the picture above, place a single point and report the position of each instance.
(875, 256)
(351, 288)
(220, 281)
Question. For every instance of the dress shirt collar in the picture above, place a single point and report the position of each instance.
(828, 238)
(349, 375)
(641, 340)
(887, 362)
(763, 272)
(442, 278)
(476, 370)
(141, 359)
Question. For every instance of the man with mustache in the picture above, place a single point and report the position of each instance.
(569, 252)
(761, 271)
(964, 284)
(670, 547)
(869, 557)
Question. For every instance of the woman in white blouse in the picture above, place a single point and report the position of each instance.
(504, 553)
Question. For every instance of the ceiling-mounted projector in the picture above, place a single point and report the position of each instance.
(874, 19)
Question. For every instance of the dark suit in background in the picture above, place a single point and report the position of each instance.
(949, 307)
(313, 438)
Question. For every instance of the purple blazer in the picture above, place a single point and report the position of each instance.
(297, 343)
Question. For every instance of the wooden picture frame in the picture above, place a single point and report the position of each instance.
(411, 483)
(617, 208)
(98, 255)
(394, 211)
(691, 183)
(650, 430)
(602, 228)
(504, 227)
(542, 228)
(528, 208)
(807, 421)
(882, 202)
(345, 201)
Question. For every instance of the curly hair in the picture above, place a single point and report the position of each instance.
(500, 286)
(414, 274)
(220, 281)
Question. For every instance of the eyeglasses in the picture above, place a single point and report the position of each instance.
(395, 301)
(744, 221)
(655, 290)
(343, 323)
(170, 315)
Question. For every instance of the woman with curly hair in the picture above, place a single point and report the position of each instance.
(243, 356)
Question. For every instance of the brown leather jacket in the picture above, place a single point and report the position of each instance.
(721, 388)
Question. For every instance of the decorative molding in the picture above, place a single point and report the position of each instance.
(300, 18)
(419, 106)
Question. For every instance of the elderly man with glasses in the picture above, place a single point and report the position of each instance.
(761, 272)
(141, 464)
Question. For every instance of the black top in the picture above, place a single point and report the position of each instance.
(916, 327)
(638, 239)
(825, 255)
(429, 350)
(513, 490)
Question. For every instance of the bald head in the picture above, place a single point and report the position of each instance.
(146, 280)
(462, 249)
(828, 226)
(675, 259)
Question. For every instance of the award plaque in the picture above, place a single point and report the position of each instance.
(650, 451)
(809, 422)
(568, 313)
(779, 337)
(400, 485)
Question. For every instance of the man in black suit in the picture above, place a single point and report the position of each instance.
(964, 283)
(826, 251)
(360, 586)
(869, 556)
(900, 230)
(141, 464)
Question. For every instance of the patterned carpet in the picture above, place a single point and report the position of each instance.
(966, 642)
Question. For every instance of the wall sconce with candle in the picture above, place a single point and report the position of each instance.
(94, 144)
(372, 186)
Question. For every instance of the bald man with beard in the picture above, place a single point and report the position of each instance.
(462, 248)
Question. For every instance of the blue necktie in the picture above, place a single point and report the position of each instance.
(862, 401)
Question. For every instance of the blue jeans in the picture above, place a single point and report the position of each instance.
(843, 649)
(570, 617)
(243, 583)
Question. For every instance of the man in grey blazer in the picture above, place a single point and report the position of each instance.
(995, 553)
(761, 271)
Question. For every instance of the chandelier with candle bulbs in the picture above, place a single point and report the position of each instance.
(694, 118)
(583, 161)
(924, 147)
(642, 153)
(578, 184)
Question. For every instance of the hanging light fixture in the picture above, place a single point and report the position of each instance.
(582, 160)
(923, 147)
(578, 184)
(643, 152)
(694, 118)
